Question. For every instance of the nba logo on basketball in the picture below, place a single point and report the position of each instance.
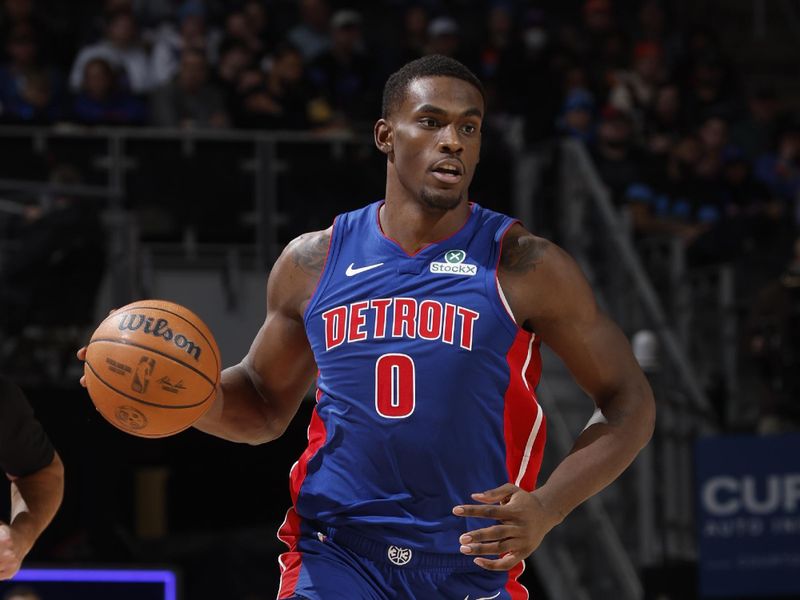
(141, 378)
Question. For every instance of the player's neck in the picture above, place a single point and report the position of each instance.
(414, 226)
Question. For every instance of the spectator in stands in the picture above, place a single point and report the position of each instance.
(664, 121)
(234, 59)
(25, 15)
(742, 194)
(499, 38)
(577, 119)
(751, 220)
(613, 57)
(344, 74)
(281, 98)
(15, 14)
(598, 21)
(255, 12)
(121, 49)
(29, 92)
(522, 68)
(170, 43)
(414, 38)
(152, 13)
(102, 102)
(239, 31)
(674, 202)
(711, 90)
(757, 131)
(444, 37)
(773, 330)
(190, 100)
(618, 159)
(652, 25)
(713, 135)
(780, 170)
(634, 90)
(310, 36)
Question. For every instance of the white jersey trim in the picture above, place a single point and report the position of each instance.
(526, 457)
(505, 301)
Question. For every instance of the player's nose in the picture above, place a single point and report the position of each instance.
(449, 142)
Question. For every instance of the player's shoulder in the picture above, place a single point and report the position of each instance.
(540, 279)
(297, 272)
(308, 251)
(523, 252)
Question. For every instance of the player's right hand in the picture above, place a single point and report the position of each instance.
(81, 354)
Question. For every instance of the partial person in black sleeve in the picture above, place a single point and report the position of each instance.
(36, 473)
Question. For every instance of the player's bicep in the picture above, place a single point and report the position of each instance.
(597, 354)
(587, 340)
(280, 360)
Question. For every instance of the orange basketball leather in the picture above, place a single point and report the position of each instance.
(152, 368)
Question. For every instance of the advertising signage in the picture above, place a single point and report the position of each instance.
(748, 516)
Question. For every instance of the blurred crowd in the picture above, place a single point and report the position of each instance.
(673, 130)
(690, 150)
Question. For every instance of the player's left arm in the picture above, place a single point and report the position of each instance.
(35, 499)
(548, 294)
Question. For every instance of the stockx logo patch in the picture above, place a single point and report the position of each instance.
(454, 265)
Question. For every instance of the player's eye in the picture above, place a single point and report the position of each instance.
(428, 122)
(469, 128)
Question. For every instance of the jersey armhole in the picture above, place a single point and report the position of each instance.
(494, 290)
(327, 269)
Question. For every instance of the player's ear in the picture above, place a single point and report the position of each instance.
(384, 136)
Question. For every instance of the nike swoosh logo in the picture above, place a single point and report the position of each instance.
(485, 597)
(351, 271)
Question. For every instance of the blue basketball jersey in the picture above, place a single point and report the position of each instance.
(425, 391)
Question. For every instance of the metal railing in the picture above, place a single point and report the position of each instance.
(115, 162)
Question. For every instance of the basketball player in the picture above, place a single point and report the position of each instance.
(36, 473)
(421, 317)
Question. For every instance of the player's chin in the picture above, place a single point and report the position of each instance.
(442, 199)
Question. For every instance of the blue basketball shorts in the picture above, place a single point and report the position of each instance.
(328, 564)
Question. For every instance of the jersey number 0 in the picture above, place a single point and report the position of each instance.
(395, 386)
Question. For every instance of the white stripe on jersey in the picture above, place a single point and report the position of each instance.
(526, 457)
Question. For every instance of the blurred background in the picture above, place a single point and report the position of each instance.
(166, 148)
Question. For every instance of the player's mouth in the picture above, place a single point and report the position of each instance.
(448, 170)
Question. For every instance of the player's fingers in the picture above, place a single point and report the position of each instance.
(486, 511)
(504, 563)
(494, 548)
(489, 534)
(81, 354)
(82, 380)
(498, 494)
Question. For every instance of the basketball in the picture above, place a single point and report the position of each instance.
(152, 368)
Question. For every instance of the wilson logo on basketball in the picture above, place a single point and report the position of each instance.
(159, 328)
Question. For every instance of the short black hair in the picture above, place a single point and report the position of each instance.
(434, 65)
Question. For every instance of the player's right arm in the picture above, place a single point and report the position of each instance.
(259, 396)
